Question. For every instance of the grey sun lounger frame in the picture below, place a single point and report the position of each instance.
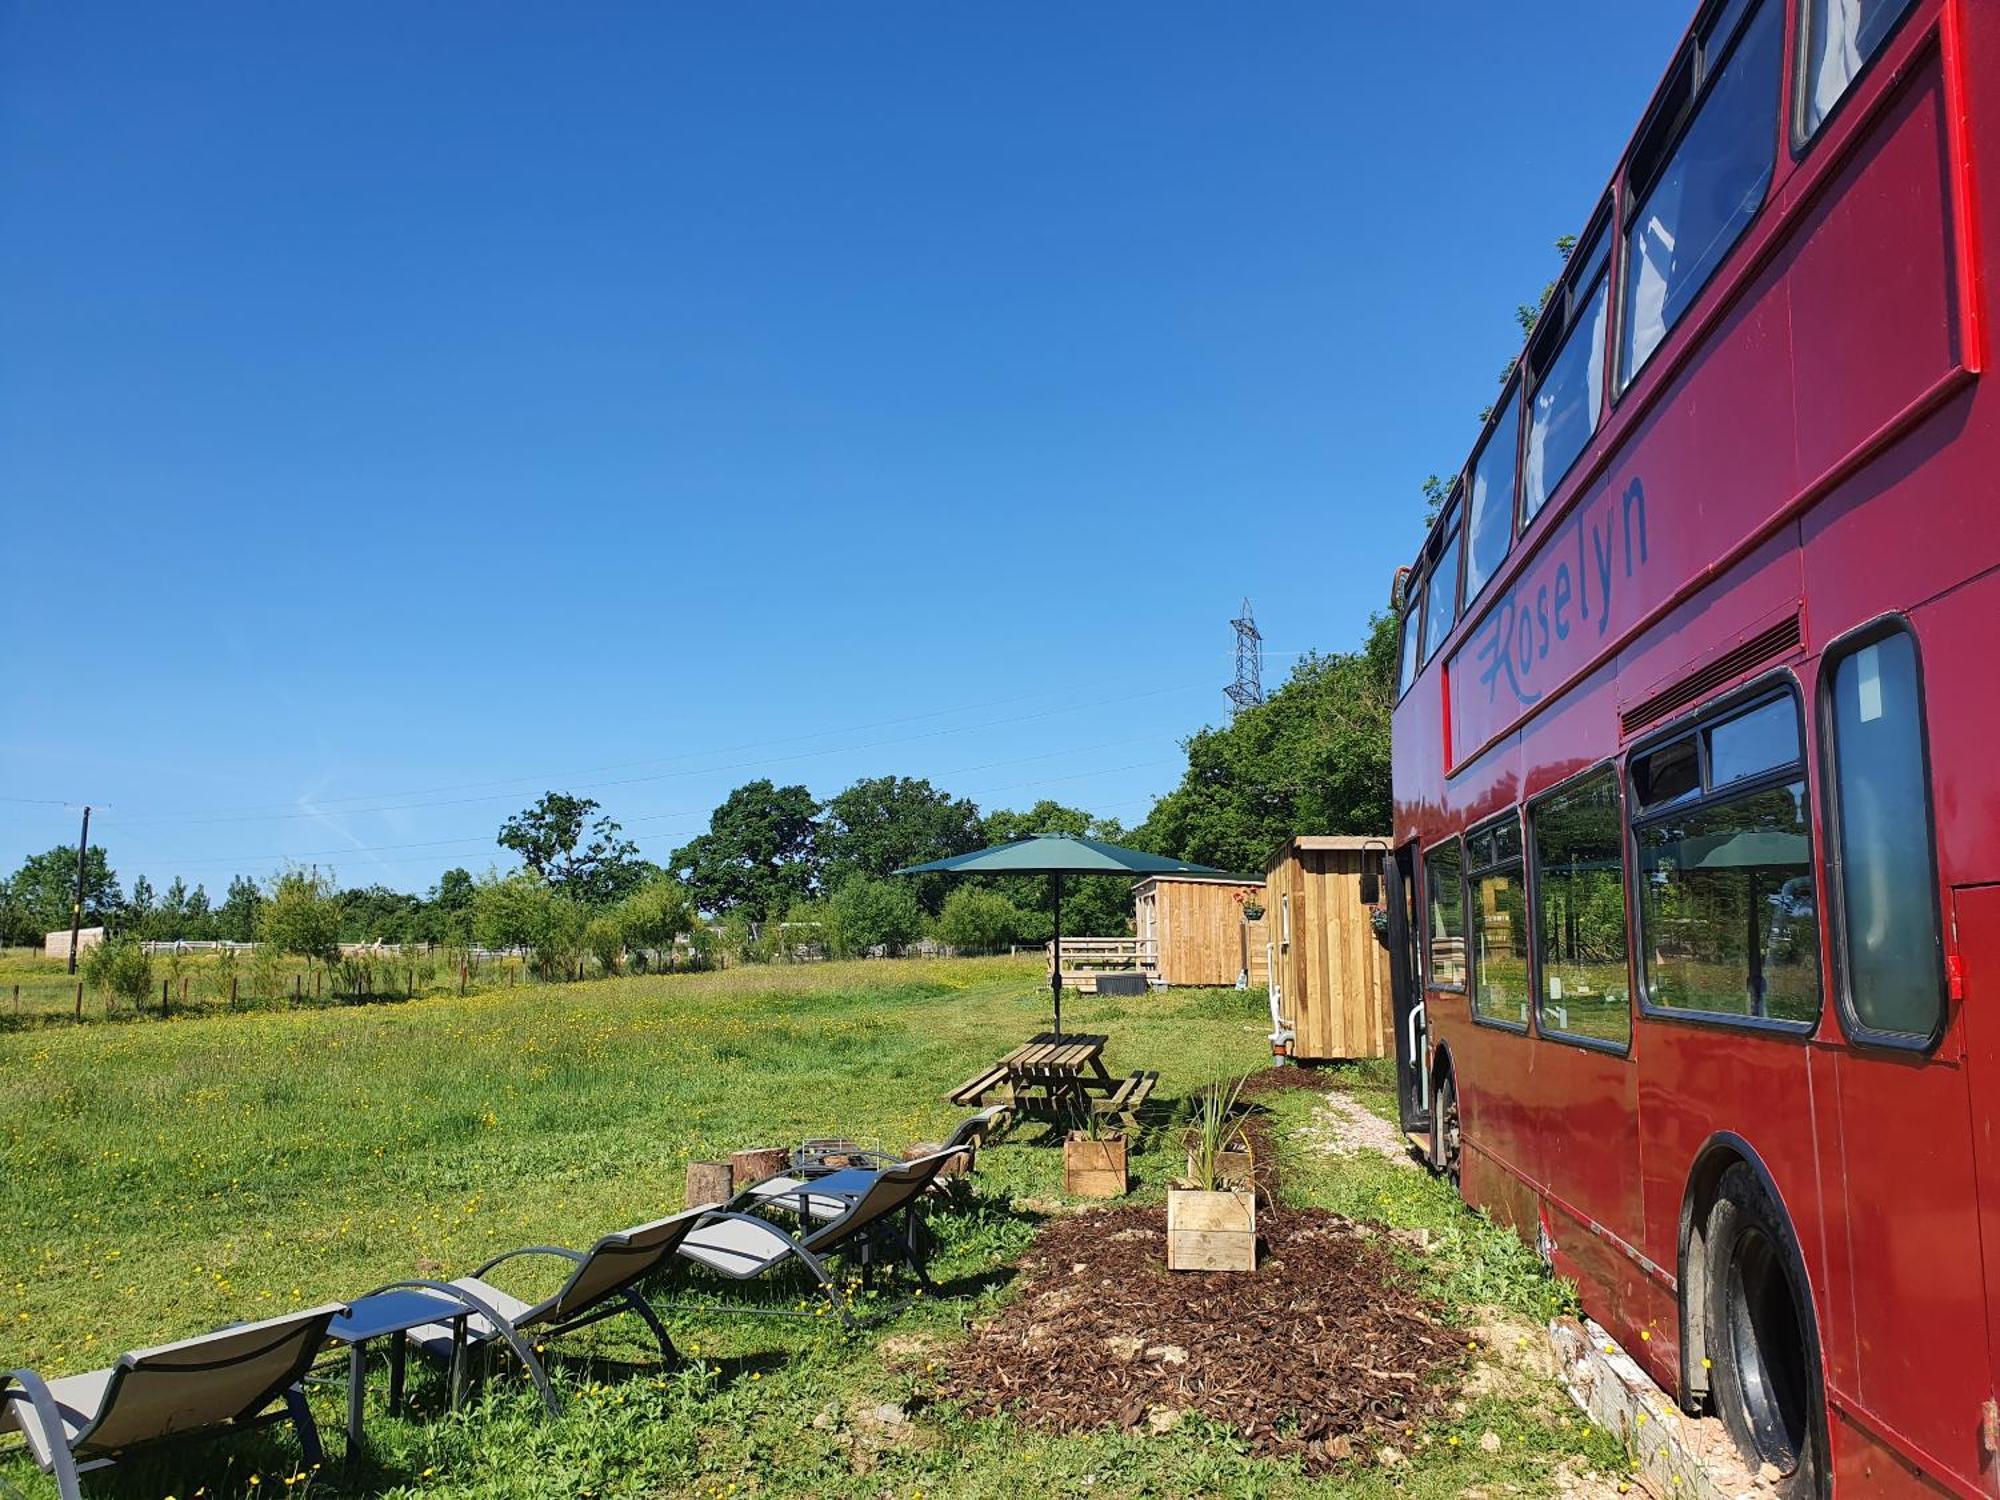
(882, 1226)
(819, 1157)
(603, 1284)
(206, 1386)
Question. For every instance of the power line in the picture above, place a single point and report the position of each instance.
(238, 861)
(319, 809)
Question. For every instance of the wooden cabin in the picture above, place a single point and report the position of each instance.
(1193, 929)
(1329, 971)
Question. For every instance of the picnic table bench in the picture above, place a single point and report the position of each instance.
(1053, 1074)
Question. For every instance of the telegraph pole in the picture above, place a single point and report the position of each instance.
(76, 907)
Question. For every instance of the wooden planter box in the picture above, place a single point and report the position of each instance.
(1232, 1167)
(1211, 1231)
(1094, 1169)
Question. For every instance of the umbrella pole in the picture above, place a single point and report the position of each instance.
(1055, 966)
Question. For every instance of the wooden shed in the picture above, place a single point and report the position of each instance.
(1191, 929)
(1329, 971)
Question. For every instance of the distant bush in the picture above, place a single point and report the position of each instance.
(977, 920)
(864, 914)
(121, 968)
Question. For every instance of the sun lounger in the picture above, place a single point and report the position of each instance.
(878, 1224)
(220, 1382)
(603, 1284)
(817, 1158)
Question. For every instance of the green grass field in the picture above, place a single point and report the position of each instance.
(157, 1179)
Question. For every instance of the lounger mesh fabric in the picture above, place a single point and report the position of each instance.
(607, 1270)
(726, 1245)
(208, 1381)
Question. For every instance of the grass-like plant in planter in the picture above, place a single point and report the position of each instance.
(1093, 1156)
(1212, 1219)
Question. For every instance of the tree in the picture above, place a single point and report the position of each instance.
(523, 911)
(507, 910)
(301, 916)
(760, 854)
(446, 915)
(977, 920)
(863, 914)
(376, 914)
(584, 858)
(1314, 758)
(238, 918)
(1093, 905)
(882, 823)
(654, 916)
(44, 888)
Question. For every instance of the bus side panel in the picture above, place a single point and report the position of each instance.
(1589, 1163)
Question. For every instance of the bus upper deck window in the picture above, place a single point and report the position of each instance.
(1489, 523)
(1699, 183)
(1568, 367)
(1840, 37)
(1442, 595)
(1413, 618)
(1892, 973)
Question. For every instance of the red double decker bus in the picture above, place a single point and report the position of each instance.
(1695, 888)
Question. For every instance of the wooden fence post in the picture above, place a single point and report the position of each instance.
(297, 981)
(79, 999)
(232, 992)
(461, 977)
(166, 988)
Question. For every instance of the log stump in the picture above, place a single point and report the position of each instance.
(708, 1182)
(956, 1167)
(756, 1164)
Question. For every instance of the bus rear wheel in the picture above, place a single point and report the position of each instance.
(1764, 1383)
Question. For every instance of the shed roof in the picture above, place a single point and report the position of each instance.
(1217, 879)
(1304, 843)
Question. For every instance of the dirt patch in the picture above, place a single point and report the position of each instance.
(1324, 1348)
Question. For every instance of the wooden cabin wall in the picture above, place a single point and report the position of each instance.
(1201, 931)
(1333, 971)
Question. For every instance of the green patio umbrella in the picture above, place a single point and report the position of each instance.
(1057, 855)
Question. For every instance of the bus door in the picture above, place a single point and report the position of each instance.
(1916, 1362)
(1413, 1093)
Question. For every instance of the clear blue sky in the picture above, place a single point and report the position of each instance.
(407, 409)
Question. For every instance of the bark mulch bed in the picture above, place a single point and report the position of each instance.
(1323, 1347)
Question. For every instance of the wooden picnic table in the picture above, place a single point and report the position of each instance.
(1056, 1074)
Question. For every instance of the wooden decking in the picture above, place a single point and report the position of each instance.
(1085, 958)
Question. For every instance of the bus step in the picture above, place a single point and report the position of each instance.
(1421, 1139)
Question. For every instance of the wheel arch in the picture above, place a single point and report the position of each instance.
(1718, 1154)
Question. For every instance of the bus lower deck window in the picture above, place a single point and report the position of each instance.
(1580, 913)
(1445, 904)
(1728, 912)
(1499, 925)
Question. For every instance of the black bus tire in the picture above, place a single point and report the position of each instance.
(1446, 1135)
(1765, 1380)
